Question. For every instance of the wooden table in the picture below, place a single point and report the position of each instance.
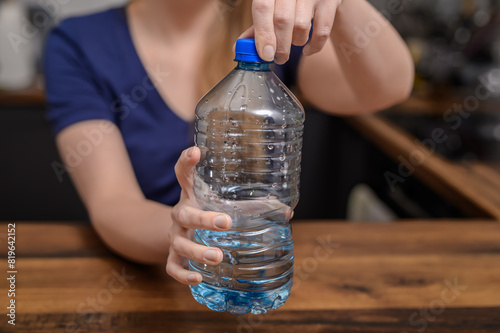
(404, 277)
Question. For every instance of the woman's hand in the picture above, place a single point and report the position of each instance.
(186, 217)
(280, 23)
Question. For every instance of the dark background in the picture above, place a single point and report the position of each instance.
(453, 43)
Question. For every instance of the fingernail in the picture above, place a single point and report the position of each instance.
(189, 152)
(192, 278)
(221, 222)
(212, 255)
(268, 53)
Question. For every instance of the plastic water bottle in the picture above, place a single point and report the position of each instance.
(249, 130)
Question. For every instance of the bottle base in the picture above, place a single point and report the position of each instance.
(240, 302)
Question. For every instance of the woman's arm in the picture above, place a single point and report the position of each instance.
(355, 60)
(134, 227)
(365, 66)
(128, 223)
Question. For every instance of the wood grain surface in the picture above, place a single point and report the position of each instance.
(432, 276)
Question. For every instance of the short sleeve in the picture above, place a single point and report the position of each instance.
(74, 92)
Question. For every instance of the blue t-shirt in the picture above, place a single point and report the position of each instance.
(93, 71)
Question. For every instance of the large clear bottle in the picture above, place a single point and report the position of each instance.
(249, 130)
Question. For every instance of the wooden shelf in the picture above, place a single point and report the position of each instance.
(473, 187)
(425, 105)
(32, 97)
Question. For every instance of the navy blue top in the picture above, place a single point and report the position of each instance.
(93, 71)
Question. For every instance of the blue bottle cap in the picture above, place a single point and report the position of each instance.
(246, 51)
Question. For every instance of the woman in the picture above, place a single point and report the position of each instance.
(122, 87)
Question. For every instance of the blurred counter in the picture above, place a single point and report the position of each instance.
(33, 97)
(415, 134)
(473, 186)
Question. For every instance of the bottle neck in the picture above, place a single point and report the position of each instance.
(253, 66)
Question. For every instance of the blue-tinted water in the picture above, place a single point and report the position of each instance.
(257, 268)
(249, 131)
(240, 302)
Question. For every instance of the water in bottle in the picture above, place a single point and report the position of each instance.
(249, 130)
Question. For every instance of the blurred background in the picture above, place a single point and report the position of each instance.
(358, 168)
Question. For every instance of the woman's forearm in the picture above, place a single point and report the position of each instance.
(372, 55)
(135, 229)
(126, 221)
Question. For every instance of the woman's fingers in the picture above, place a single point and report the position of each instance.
(284, 20)
(263, 21)
(322, 27)
(176, 270)
(193, 218)
(200, 253)
(280, 23)
(182, 247)
(185, 166)
(304, 11)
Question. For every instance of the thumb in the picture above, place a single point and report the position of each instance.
(184, 168)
